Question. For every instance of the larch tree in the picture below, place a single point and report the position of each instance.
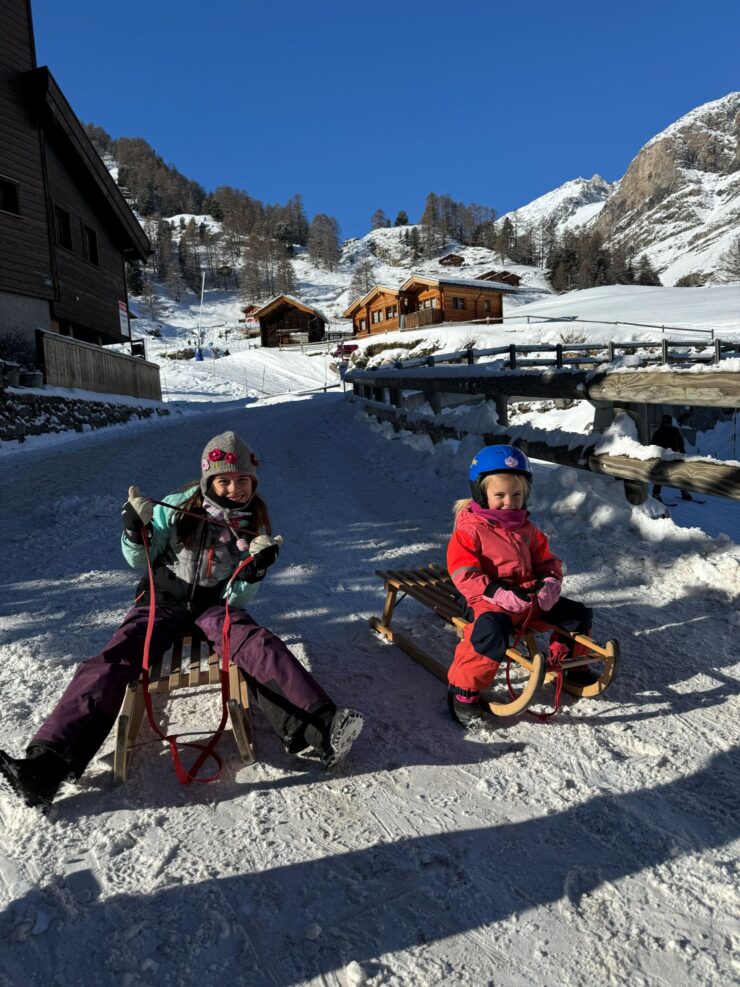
(323, 241)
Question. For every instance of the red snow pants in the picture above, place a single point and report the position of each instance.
(486, 639)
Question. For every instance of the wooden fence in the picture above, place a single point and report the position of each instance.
(72, 363)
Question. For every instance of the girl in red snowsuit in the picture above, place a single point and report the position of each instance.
(503, 566)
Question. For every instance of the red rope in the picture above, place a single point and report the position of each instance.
(553, 663)
(208, 750)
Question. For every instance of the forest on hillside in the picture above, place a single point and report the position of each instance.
(251, 245)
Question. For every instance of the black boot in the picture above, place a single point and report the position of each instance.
(36, 778)
(583, 674)
(471, 715)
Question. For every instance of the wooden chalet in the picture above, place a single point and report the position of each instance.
(65, 228)
(504, 277)
(377, 311)
(451, 260)
(426, 301)
(285, 317)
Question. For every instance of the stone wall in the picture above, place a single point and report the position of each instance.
(36, 414)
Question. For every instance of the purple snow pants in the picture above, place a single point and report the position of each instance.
(295, 705)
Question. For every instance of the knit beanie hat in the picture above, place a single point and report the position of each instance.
(226, 453)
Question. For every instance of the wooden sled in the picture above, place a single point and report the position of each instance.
(188, 664)
(431, 585)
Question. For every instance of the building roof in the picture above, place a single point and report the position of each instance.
(456, 282)
(288, 300)
(377, 289)
(495, 273)
(51, 99)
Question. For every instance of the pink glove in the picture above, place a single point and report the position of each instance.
(549, 593)
(509, 599)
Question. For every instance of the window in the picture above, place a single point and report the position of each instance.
(486, 306)
(391, 311)
(363, 325)
(9, 196)
(377, 316)
(90, 245)
(458, 303)
(63, 227)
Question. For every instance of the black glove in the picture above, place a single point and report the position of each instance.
(136, 513)
(254, 571)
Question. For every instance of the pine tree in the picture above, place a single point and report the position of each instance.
(134, 277)
(402, 219)
(415, 244)
(646, 273)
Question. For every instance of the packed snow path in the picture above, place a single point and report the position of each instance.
(599, 848)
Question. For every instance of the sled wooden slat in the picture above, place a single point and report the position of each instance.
(432, 586)
(214, 671)
(174, 677)
(194, 665)
(181, 669)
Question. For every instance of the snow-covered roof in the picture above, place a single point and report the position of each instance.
(458, 282)
(289, 300)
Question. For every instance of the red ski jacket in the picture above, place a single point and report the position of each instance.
(481, 552)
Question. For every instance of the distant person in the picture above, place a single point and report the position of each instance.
(195, 546)
(503, 567)
(668, 436)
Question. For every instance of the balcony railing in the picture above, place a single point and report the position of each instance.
(424, 317)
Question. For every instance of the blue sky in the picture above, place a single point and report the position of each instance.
(361, 106)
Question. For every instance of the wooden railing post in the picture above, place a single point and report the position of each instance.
(512, 354)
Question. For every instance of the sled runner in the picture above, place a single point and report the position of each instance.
(431, 586)
(188, 664)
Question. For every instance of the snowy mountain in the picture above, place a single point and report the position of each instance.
(576, 203)
(678, 202)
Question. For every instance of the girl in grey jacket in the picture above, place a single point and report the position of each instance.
(196, 540)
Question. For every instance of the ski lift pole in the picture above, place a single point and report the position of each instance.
(200, 310)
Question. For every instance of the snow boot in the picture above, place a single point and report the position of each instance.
(346, 727)
(583, 675)
(36, 778)
(468, 711)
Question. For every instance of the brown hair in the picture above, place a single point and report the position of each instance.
(187, 526)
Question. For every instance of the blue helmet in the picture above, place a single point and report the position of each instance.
(496, 459)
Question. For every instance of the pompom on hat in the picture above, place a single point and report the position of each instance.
(226, 453)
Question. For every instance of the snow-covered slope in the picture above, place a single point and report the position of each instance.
(600, 847)
(576, 203)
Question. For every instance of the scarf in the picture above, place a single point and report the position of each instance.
(509, 520)
(233, 515)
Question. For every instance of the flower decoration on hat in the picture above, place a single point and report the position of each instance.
(215, 455)
(253, 459)
(230, 458)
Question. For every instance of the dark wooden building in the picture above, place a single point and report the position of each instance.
(504, 277)
(285, 320)
(451, 260)
(65, 229)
